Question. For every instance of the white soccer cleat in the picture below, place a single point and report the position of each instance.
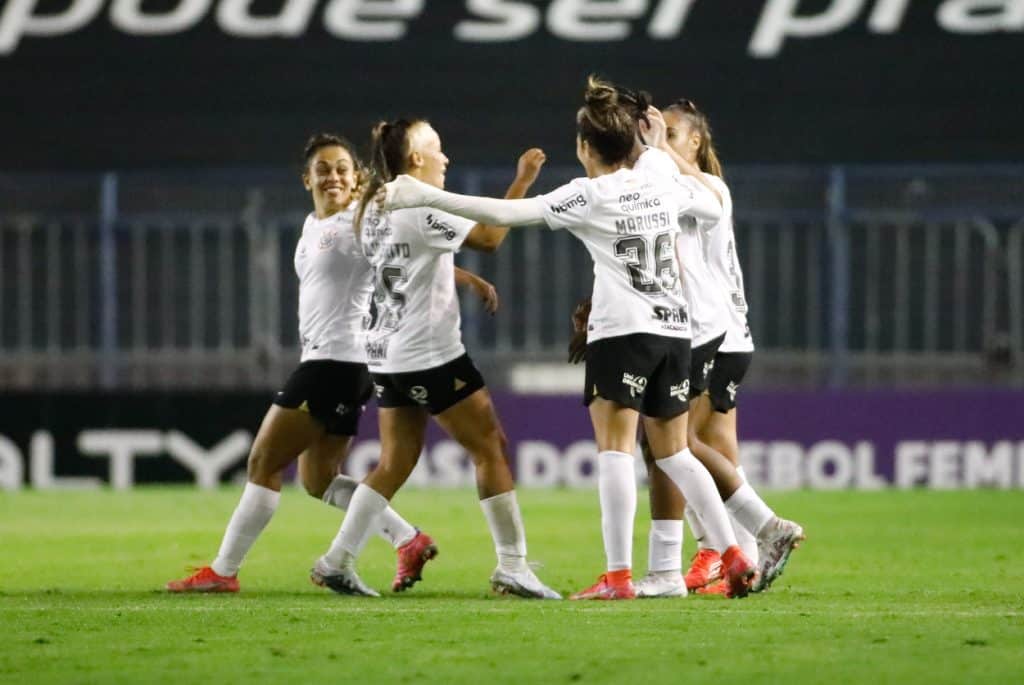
(523, 583)
(344, 581)
(775, 542)
(660, 584)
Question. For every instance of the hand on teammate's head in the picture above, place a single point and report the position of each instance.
(653, 128)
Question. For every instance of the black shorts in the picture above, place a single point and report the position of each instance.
(330, 391)
(725, 378)
(645, 372)
(435, 389)
(702, 360)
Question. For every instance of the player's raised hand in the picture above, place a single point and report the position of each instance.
(530, 163)
(487, 293)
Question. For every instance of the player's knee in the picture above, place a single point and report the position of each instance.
(315, 486)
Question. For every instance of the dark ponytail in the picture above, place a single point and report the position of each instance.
(389, 153)
(608, 119)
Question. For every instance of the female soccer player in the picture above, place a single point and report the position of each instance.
(638, 352)
(715, 374)
(419, 365)
(315, 416)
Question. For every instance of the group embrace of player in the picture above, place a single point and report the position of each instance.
(664, 339)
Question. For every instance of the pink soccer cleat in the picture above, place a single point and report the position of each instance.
(412, 557)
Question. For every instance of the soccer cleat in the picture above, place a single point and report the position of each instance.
(739, 572)
(719, 588)
(661, 584)
(609, 587)
(204, 579)
(775, 542)
(344, 581)
(705, 569)
(523, 583)
(412, 557)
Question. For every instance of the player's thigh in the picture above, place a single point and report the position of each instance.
(700, 415)
(719, 431)
(402, 434)
(322, 461)
(283, 435)
(473, 423)
(666, 436)
(614, 425)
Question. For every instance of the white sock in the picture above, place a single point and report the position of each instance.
(393, 528)
(361, 519)
(749, 509)
(506, 524)
(698, 487)
(616, 484)
(665, 546)
(744, 538)
(253, 513)
(696, 527)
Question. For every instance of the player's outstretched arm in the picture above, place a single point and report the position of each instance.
(405, 191)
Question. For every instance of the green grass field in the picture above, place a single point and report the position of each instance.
(889, 588)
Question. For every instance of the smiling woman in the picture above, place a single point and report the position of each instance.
(315, 416)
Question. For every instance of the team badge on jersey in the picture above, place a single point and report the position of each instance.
(636, 384)
(327, 240)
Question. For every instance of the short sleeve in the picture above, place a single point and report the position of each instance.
(443, 231)
(567, 206)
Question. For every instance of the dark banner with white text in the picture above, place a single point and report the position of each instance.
(102, 84)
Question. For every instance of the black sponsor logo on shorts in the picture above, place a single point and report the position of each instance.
(441, 227)
(572, 202)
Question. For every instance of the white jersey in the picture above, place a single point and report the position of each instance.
(705, 297)
(334, 289)
(417, 325)
(725, 267)
(628, 221)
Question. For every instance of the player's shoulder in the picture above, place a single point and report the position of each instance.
(718, 182)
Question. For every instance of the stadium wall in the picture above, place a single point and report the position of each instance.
(808, 439)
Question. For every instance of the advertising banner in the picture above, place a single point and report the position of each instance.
(126, 83)
(808, 439)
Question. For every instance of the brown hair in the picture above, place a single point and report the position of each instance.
(389, 154)
(707, 158)
(608, 120)
(318, 141)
